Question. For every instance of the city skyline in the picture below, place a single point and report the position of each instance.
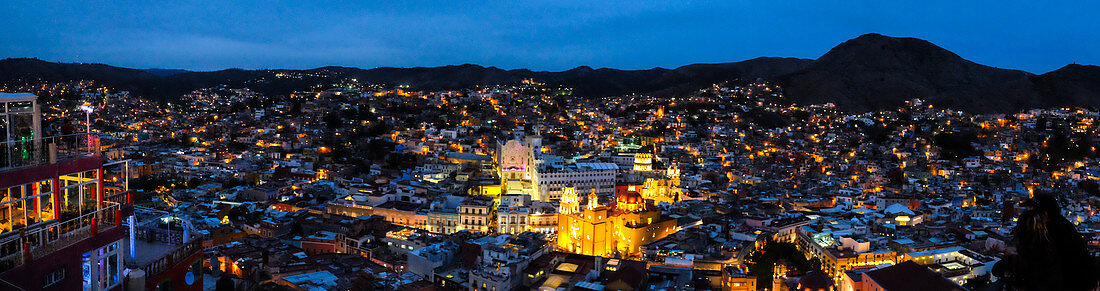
(782, 146)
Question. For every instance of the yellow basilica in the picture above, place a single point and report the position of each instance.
(617, 230)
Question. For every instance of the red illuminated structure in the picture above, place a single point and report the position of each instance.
(59, 228)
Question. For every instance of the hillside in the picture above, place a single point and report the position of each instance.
(866, 73)
(875, 71)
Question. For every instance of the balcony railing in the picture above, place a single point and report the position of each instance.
(164, 263)
(154, 234)
(122, 197)
(52, 237)
(22, 153)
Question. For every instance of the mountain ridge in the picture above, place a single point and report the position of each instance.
(869, 72)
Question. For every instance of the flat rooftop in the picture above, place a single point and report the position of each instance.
(12, 97)
(146, 252)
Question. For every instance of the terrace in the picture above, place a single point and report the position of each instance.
(160, 242)
(39, 241)
(26, 152)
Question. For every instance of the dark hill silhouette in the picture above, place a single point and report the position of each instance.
(165, 72)
(29, 70)
(866, 73)
(585, 80)
(875, 71)
(1072, 85)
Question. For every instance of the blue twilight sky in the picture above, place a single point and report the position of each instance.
(1035, 36)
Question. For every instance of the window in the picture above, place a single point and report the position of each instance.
(165, 285)
(53, 277)
(112, 270)
(24, 205)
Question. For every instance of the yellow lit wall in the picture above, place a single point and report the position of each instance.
(603, 232)
(486, 190)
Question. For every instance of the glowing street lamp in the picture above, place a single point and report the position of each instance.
(87, 117)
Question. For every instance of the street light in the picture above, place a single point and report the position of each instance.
(87, 117)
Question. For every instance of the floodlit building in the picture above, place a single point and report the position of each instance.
(60, 229)
(513, 215)
(615, 230)
(643, 162)
(661, 190)
(475, 215)
(517, 169)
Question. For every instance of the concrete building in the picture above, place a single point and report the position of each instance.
(585, 177)
(475, 214)
(424, 261)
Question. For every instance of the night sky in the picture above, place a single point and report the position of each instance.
(1035, 36)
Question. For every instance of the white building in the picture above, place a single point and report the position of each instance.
(423, 261)
(583, 176)
(475, 215)
(512, 219)
(516, 166)
(503, 260)
(513, 214)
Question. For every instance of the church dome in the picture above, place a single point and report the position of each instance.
(630, 198)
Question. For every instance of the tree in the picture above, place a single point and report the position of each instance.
(896, 176)
(764, 260)
(224, 284)
(978, 283)
(333, 120)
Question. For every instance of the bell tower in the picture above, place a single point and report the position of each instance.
(593, 200)
(570, 203)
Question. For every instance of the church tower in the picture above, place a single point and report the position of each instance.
(673, 174)
(643, 162)
(516, 169)
(570, 203)
(593, 200)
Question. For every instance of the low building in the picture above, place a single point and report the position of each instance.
(904, 277)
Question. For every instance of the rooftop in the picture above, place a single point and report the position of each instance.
(910, 276)
(11, 97)
(146, 252)
(323, 280)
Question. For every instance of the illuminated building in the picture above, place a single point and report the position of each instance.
(402, 213)
(443, 221)
(737, 279)
(901, 216)
(517, 167)
(585, 177)
(525, 171)
(517, 214)
(616, 230)
(661, 190)
(544, 218)
(56, 222)
(475, 215)
(512, 217)
(835, 261)
(570, 203)
(643, 162)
